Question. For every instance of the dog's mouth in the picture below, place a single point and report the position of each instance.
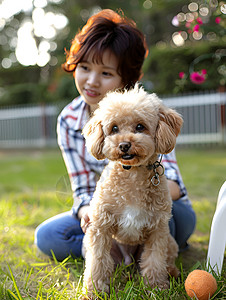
(126, 163)
(128, 156)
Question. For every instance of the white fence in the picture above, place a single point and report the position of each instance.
(204, 118)
(35, 126)
(28, 126)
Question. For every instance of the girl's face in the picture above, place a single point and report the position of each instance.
(93, 80)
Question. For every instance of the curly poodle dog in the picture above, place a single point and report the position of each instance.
(131, 203)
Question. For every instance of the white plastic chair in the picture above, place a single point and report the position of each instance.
(217, 242)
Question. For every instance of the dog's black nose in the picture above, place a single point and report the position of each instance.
(124, 146)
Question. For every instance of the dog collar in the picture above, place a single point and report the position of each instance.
(155, 178)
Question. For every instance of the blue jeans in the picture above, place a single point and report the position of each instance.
(63, 235)
(182, 224)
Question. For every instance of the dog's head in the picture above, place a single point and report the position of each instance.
(130, 127)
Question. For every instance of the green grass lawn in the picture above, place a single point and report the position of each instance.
(34, 187)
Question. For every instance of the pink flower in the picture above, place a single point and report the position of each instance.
(188, 24)
(198, 78)
(181, 75)
(196, 28)
(218, 20)
(199, 21)
(204, 72)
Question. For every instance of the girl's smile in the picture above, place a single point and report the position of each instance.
(91, 93)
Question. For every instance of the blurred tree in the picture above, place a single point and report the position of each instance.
(165, 65)
(35, 33)
(202, 24)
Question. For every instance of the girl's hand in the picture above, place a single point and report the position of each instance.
(83, 214)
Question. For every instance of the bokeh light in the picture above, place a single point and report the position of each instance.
(204, 10)
(178, 39)
(181, 17)
(189, 17)
(21, 37)
(193, 6)
(197, 35)
(223, 8)
(147, 4)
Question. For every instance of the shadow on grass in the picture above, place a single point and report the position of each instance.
(191, 257)
(195, 258)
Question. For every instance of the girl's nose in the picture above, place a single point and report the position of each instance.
(93, 79)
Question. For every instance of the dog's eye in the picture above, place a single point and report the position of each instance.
(140, 128)
(114, 129)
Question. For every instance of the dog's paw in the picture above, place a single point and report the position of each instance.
(102, 286)
(164, 285)
(88, 295)
(173, 271)
(91, 290)
(158, 284)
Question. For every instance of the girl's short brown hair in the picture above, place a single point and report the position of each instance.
(109, 30)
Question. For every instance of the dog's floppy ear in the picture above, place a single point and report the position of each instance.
(170, 123)
(94, 136)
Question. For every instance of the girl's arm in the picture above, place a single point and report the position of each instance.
(172, 172)
(174, 189)
(80, 165)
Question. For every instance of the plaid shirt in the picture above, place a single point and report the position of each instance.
(82, 167)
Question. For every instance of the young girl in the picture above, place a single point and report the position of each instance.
(107, 54)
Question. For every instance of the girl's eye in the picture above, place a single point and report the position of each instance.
(140, 128)
(115, 129)
(85, 68)
(106, 74)
(82, 66)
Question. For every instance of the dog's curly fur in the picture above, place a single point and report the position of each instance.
(131, 128)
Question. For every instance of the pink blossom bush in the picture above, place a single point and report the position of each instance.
(199, 21)
(196, 28)
(181, 75)
(197, 77)
(217, 20)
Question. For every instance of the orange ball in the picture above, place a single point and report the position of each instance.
(200, 284)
